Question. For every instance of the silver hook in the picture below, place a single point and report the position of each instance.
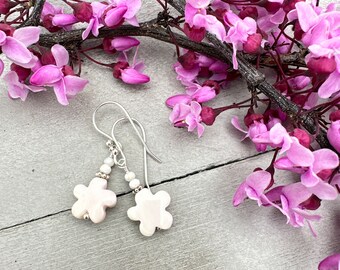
(144, 149)
(130, 120)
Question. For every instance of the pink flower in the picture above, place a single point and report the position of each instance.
(195, 92)
(330, 263)
(269, 22)
(130, 74)
(95, 23)
(17, 88)
(64, 20)
(15, 47)
(238, 32)
(184, 115)
(253, 188)
(311, 165)
(186, 75)
(124, 43)
(198, 21)
(292, 198)
(120, 10)
(59, 76)
(255, 129)
(333, 135)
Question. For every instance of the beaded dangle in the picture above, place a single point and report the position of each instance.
(150, 209)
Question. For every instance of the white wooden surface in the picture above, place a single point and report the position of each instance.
(46, 149)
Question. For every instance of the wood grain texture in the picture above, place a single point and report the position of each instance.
(46, 149)
(208, 233)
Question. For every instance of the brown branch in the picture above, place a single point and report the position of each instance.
(34, 19)
(218, 50)
(256, 79)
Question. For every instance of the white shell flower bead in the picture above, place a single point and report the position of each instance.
(93, 200)
(150, 211)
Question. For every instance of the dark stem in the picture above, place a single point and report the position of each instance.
(256, 79)
(34, 19)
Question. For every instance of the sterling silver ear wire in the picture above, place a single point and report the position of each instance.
(150, 208)
(94, 199)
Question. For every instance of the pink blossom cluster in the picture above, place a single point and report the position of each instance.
(319, 179)
(202, 78)
(34, 70)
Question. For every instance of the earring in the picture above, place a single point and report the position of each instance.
(94, 199)
(150, 208)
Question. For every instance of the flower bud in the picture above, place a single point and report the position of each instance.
(67, 70)
(107, 47)
(325, 174)
(251, 117)
(298, 32)
(213, 84)
(195, 34)
(117, 69)
(248, 12)
(208, 115)
(312, 203)
(82, 11)
(47, 23)
(22, 73)
(188, 60)
(271, 7)
(47, 58)
(302, 136)
(253, 43)
(334, 116)
(6, 5)
(9, 30)
(322, 65)
(289, 5)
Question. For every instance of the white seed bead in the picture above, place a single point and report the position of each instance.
(109, 161)
(135, 183)
(130, 176)
(105, 169)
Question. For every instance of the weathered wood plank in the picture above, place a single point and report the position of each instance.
(208, 233)
(46, 148)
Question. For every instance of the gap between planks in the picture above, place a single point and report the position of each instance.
(207, 168)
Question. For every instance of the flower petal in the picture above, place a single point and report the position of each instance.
(64, 19)
(74, 84)
(330, 86)
(182, 98)
(300, 155)
(60, 55)
(324, 191)
(60, 92)
(132, 76)
(115, 16)
(46, 75)
(27, 35)
(16, 51)
(325, 159)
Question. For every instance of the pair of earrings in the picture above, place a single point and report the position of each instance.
(150, 209)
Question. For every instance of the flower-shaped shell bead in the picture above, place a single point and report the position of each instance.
(150, 211)
(93, 200)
